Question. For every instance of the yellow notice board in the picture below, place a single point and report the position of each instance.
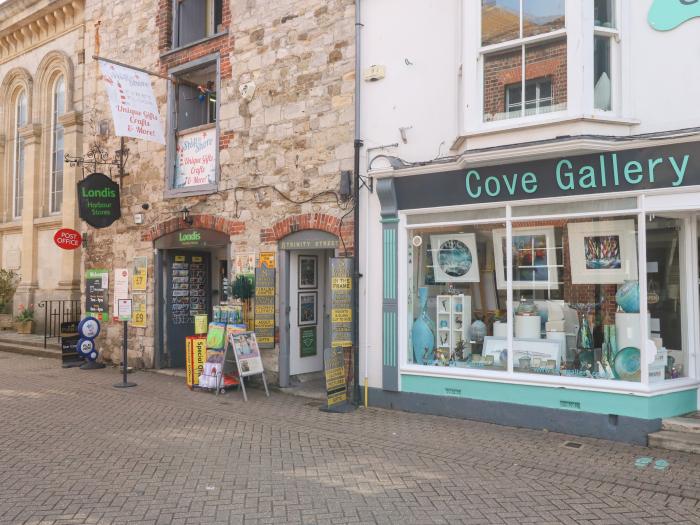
(139, 275)
(196, 356)
(138, 317)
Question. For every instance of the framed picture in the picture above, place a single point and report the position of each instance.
(308, 271)
(307, 308)
(534, 258)
(455, 258)
(603, 252)
(541, 349)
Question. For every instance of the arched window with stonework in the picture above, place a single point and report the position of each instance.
(58, 107)
(20, 120)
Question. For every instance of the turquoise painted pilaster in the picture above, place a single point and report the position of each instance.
(390, 371)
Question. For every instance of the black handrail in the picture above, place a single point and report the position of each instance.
(57, 312)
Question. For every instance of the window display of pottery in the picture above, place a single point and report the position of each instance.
(627, 297)
(423, 331)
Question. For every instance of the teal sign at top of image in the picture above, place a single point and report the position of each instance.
(665, 15)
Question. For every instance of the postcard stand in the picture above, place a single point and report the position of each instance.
(248, 359)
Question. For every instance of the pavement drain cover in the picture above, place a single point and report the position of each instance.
(573, 444)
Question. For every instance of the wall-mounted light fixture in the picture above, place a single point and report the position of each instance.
(186, 218)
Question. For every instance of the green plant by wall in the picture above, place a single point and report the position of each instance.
(8, 286)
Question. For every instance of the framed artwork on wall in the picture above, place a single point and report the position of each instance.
(454, 258)
(308, 272)
(603, 252)
(307, 308)
(534, 258)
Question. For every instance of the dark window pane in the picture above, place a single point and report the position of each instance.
(192, 21)
(604, 13)
(542, 16)
(500, 21)
(602, 82)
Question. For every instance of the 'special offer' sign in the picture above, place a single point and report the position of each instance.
(67, 239)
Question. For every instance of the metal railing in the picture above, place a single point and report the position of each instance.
(57, 312)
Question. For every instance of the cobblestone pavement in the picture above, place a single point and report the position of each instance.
(75, 450)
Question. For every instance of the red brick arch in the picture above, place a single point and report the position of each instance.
(203, 221)
(309, 221)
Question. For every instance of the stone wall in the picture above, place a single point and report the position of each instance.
(281, 153)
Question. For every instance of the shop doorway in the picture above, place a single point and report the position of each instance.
(307, 314)
(192, 269)
(188, 294)
(305, 307)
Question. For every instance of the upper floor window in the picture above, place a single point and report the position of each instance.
(524, 50)
(604, 40)
(194, 133)
(195, 20)
(56, 183)
(18, 171)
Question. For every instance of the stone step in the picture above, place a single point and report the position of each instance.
(15, 348)
(671, 440)
(682, 424)
(33, 341)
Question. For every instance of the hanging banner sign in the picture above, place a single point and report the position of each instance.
(265, 306)
(139, 277)
(195, 162)
(341, 302)
(67, 239)
(336, 384)
(138, 318)
(97, 293)
(98, 200)
(134, 108)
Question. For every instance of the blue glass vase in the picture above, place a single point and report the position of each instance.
(585, 335)
(423, 331)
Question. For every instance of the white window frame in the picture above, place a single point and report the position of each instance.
(579, 31)
(56, 205)
(18, 171)
(538, 82)
(649, 201)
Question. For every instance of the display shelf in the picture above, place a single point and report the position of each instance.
(456, 310)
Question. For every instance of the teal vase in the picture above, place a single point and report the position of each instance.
(585, 336)
(423, 331)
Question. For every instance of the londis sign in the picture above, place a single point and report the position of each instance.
(98, 200)
(674, 166)
(67, 239)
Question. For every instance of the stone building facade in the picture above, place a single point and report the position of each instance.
(41, 102)
(274, 82)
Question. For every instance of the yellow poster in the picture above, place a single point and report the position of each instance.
(267, 259)
(201, 324)
(138, 310)
(139, 275)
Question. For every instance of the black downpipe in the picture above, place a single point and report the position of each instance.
(356, 277)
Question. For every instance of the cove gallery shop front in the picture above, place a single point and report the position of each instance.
(558, 293)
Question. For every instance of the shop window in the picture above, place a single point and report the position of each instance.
(20, 120)
(666, 297)
(576, 299)
(605, 37)
(56, 182)
(195, 20)
(454, 303)
(194, 137)
(537, 70)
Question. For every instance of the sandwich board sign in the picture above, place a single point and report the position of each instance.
(248, 358)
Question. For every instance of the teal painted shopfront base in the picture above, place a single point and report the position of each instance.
(619, 417)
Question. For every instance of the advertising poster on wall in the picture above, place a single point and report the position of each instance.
(139, 314)
(134, 108)
(97, 293)
(336, 385)
(341, 302)
(265, 306)
(195, 159)
(121, 288)
(139, 278)
(244, 263)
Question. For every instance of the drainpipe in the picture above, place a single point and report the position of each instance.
(356, 214)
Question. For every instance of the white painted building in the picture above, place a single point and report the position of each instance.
(601, 167)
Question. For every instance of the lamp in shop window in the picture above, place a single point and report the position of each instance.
(186, 217)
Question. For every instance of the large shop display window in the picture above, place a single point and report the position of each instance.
(575, 308)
